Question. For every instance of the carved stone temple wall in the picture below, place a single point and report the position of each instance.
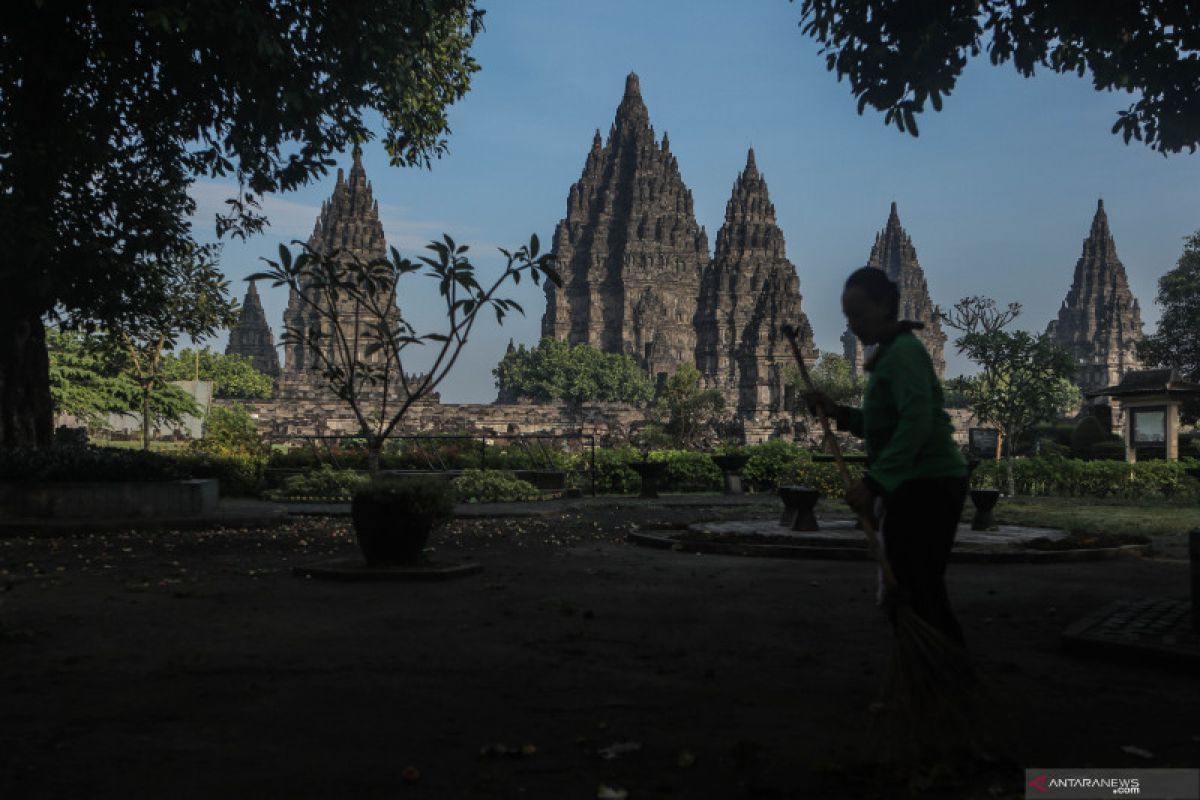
(748, 292)
(894, 253)
(638, 278)
(1100, 321)
(629, 250)
(251, 337)
(347, 227)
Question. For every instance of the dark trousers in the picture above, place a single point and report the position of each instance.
(920, 520)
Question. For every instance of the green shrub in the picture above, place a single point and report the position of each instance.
(824, 477)
(1088, 433)
(688, 471)
(325, 483)
(88, 463)
(1067, 477)
(240, 474)
(230, 428)
(771, 464)
(613, 475)
(1111, 449)
(492, 486)
(431, 498)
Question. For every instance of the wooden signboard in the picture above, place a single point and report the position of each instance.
(984, 443)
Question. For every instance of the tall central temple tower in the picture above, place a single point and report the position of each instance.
(629, 250)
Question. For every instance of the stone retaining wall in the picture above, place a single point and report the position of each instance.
(108, 500)
(289, 421)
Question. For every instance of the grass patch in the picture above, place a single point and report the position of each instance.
(1097, 517)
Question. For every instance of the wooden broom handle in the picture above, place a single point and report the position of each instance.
(868, 524)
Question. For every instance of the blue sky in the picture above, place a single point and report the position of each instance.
(997, 193)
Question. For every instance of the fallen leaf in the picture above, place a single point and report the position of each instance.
(618, 749)
(686, 759)
(606, 792)
(410, 774)
(1133, 750)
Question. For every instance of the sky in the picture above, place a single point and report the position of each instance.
(998, 191)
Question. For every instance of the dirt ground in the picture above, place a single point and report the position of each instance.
(194, 665)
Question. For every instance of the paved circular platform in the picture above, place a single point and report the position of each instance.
(840, 539)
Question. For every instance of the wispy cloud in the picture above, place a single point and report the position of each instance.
(289, 219)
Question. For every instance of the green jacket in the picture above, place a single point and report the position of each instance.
(907, 431)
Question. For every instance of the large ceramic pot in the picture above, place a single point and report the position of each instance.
(651, 473)
(393, 524)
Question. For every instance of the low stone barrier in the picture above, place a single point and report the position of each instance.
(102, 499)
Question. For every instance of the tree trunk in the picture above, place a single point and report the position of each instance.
(145, 418)
(26, 411)
(374, 449)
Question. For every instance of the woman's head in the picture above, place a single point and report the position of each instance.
(871, 303)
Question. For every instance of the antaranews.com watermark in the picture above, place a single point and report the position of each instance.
(1094, 784)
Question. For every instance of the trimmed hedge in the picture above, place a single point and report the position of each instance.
(492, 486)
(688, 471)
(239, 474)
(1069, 477)
(324, 484)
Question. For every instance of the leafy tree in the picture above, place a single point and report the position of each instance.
(1176, 343)
(196, 304)
(691, 412)
(554, 370)
(833, 376)
(109, 110)
(83, 380)
(898, 54)
(1024, 379)
(360, 353)
(230, 430)
(954, 392)
(233, 376)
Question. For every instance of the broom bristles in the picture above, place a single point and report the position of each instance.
(932, 707)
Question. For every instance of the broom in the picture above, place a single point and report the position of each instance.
(930, 698)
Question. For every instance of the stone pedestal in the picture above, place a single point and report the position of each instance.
(985, 501)
(731, 469)
(798, 505)
(651, 473)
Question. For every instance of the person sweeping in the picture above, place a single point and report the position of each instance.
(914, 491)
(916, 482)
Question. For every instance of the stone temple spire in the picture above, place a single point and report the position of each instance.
(749, 292)
(894, 253)
(1100, 321)
(347, 227)
(252, 338)
(629, 249)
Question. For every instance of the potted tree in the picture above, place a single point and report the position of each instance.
(651, 436)
(394, 518)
